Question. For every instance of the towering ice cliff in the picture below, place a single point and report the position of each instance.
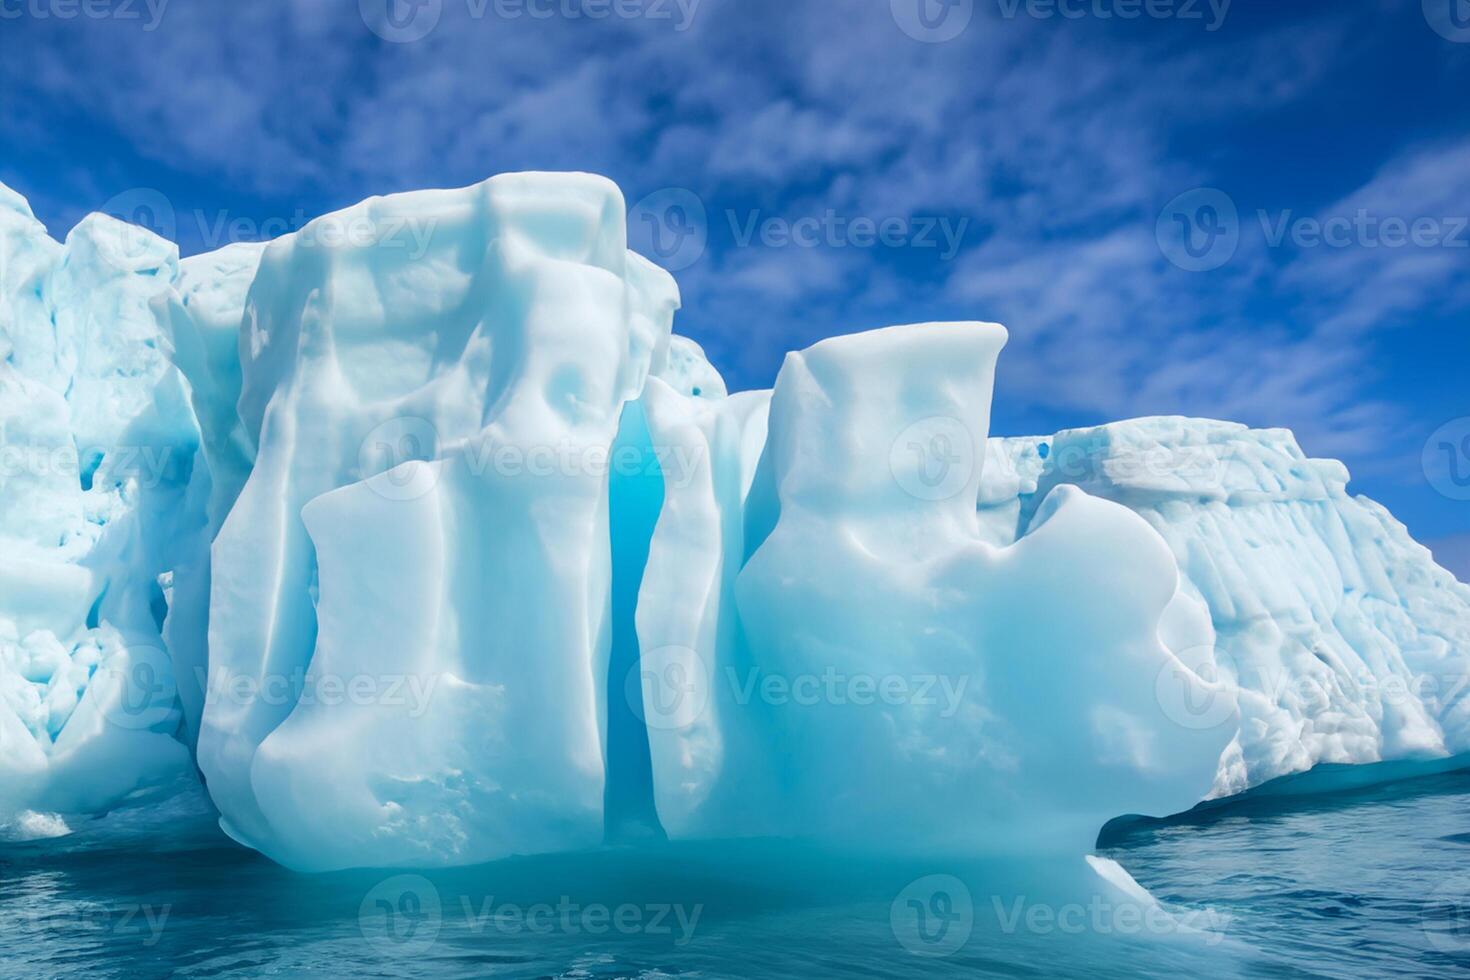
(414, 580)
(435, 545)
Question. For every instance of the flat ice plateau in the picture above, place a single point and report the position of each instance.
(425, 550)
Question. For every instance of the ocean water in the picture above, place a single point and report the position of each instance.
(1370, 883)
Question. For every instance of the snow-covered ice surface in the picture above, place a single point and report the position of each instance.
(1347, 642)
(421, 528)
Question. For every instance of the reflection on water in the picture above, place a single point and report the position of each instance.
(1372, 883)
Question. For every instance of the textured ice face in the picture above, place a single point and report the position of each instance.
(100, 482)
(1348, 644)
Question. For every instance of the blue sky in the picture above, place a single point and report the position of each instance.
(1037, 163)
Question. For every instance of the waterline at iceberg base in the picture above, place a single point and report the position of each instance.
(429, 550)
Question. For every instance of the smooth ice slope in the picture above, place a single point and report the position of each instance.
(100, 485)
(1347, 642)
(427, 518)
(892, 676)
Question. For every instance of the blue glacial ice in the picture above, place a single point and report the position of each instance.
(421, 535)
(102, 491)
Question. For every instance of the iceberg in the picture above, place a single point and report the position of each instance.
(419, 539)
